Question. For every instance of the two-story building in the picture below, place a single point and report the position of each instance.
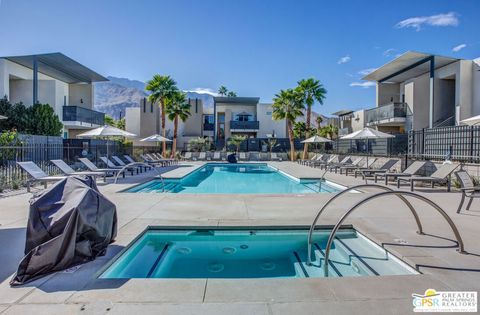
(418, 90)
(57, 80)
(229, 116)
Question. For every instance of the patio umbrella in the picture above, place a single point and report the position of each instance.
(106, 132)
(316, 139)
(367, 134)
(155, 138)
(471, 121)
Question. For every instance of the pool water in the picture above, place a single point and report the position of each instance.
(244, 253)
(215, 178)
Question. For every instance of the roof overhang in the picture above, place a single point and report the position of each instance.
(407, 66)
(343, 112)
(236, 100)
(60, 67)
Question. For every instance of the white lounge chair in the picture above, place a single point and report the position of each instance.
(94, 168)
(216, 156)
(275, 157)
(187, 156)
(202, 156)
(243, 156)
(37, 174)
(67, 170)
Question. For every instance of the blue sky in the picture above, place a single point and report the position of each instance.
(253, 47)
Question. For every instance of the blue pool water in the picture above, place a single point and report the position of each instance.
(242, 253)
(215, 178)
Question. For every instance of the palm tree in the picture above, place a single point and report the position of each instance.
(177, 107)
(288, 105)
(161, 87)
(237, 140)
(311, 90)
(222, 90)
(231, 94)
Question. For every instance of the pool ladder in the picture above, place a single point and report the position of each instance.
(387, 191)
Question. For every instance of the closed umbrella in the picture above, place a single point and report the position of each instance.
(106, 132)
(367, 134)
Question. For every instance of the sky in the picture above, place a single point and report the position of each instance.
(255, 48)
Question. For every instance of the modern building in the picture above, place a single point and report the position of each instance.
(229, 116)
(57, 80)
(419, 90)
(349, 121)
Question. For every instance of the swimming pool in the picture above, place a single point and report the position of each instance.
(246, 253)
(243, 178)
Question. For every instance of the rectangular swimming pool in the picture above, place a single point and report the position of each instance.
(250, 253)
(242, 178)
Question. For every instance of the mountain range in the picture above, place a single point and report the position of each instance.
(114, 96)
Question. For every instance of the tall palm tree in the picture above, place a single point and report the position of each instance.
(222, 90)
(177, 107)
(288, 105)
(311, 90)
(237, 140)
(161, 87)
(231, 94)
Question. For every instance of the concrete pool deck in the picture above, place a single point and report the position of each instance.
(386, 221)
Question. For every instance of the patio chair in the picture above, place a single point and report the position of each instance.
(151, 161)
(468, 188)
(242, 156)
(336, 166)
(441, 176)
(92, 167)
(320, 157)
(131, 160)
(201, 156)
(187, 156)
(158, 158)
(216, 156)
(351, 168)
(345, 161)
(112, 165)
(275, 157)
(413, 169)
(67, 170)
(321, 163)
(121, 163)
(168, 160)
(37, 174)
(367, 172)
(313, 158)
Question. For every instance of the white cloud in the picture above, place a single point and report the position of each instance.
(204, 91)
(389, 52)
(444, 19)
(344, 59)
(364, 85)
(366, 71)
(459, 47)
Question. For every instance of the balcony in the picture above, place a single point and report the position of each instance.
(394, 114)
(244, 125)
(82, 118)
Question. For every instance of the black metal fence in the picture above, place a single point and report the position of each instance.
(459, 143)
(381, 147)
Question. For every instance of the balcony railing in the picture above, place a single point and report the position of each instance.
(208, 126)
(84, 115)
(386, 113)
(246, 125)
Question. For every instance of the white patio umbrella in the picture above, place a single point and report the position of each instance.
(106, 132)
(367, 134)
(316, 139)
(471, 121)
(155, 138)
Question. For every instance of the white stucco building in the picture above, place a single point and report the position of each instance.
(53, 79)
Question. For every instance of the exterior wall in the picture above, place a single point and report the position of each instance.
(358, 120)
(267, 124)
(230, 109)
(476, 87)
(79, 93)
(193, 126)
(385, 92)
(132, 120)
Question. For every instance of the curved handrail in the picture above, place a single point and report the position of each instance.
(140, 164)
(314, 223)
(460, 249)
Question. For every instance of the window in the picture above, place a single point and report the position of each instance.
(268, 113)
(208, 119)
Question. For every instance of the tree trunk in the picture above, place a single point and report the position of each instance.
(164, 144)
(174, 144)
(307, 133)
(292, 142)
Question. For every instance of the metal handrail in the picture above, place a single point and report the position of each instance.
(460, 249)
(140, 164)
(314, 223)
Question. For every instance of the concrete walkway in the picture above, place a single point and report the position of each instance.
(387, 222)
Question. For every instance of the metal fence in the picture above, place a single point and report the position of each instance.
(459, 143)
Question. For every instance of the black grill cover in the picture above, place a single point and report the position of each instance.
(69, 224)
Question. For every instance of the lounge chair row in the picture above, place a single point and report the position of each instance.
(222, 156)
(38, 175)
